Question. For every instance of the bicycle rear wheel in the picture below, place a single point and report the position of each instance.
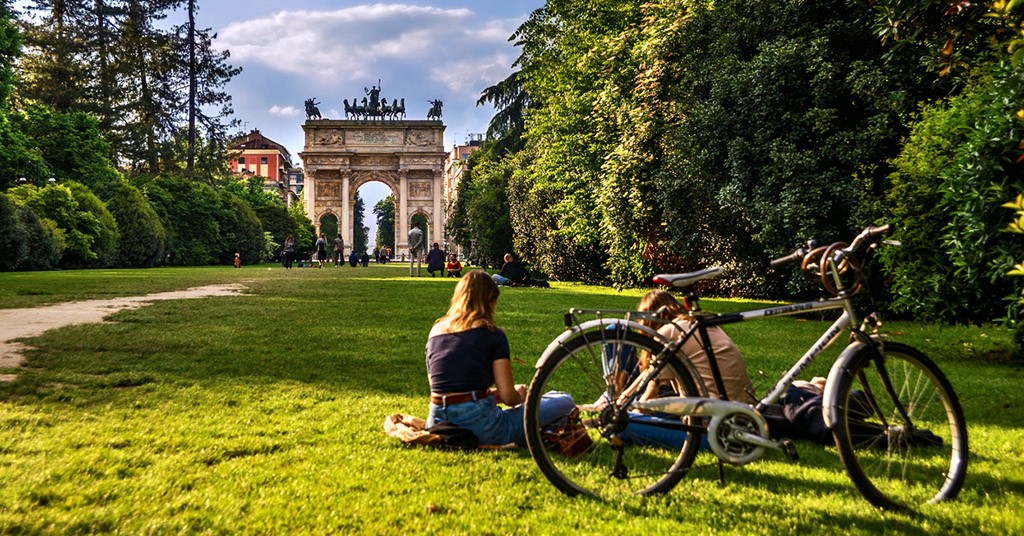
(902, 446)
(631, 453)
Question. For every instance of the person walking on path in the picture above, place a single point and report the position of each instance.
(415, 249)
(321, 250)
(339, 251)
(435, 259)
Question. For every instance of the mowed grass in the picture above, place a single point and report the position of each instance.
(262, 414)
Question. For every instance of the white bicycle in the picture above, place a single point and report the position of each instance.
(897, 424)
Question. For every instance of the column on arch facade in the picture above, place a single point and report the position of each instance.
(309, 192)
(438, 234)
(346, 210)
(402, 223)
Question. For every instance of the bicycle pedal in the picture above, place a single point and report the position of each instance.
(789, 450)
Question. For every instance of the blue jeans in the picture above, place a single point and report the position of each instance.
(497, 426)
(500, 279)
(641, 433)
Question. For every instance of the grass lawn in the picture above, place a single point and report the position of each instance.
(262, 414)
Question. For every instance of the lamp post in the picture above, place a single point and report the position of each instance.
(39, 175)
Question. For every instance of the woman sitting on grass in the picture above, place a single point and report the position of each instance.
(466, 355)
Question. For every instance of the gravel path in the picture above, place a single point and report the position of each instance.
(20, 323)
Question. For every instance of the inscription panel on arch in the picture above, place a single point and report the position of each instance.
(419, 189)
(328, 190)
(373, 137)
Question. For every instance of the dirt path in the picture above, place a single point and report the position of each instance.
(19, 323)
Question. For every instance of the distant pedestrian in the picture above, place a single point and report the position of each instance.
(339, 251)
(365, 259)
(288, 253)
(353, 259)
(321, 250)
(415, 248)
(238, 260)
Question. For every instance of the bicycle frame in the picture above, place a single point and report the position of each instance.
(715, 409)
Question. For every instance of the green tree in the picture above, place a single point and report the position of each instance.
(14, 155)
(305, 235)
(206, 74)
(10, 51)
(480, 221)
(959, 167)
(149, 93)
(69, 146)
(385, 213)
(788, 110)
(105, 235)
(56, 38)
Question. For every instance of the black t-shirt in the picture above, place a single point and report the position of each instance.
(464, 361)
(514, 270)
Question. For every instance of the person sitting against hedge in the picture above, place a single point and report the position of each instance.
(470, 369)
(512, 272)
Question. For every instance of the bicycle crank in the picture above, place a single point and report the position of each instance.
(737, 433)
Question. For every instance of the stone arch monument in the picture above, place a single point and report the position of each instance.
(408, 156)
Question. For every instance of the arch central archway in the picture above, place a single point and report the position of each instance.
(407, 156)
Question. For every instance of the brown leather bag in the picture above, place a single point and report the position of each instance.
(570, 437)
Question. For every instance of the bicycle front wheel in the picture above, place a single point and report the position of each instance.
(630, 452)
(899, 428)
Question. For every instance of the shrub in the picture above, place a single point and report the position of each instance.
(13, 236)
(143, 236)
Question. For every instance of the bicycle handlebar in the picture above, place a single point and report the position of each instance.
(792, 257)
(868, 236)
(796, 256)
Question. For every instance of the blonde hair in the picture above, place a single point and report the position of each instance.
(472, 304)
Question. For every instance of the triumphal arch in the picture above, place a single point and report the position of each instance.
(407, 155)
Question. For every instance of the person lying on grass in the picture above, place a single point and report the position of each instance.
(797, 415)
(467, 354)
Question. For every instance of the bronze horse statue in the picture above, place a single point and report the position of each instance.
(312, 112)
(435, 109)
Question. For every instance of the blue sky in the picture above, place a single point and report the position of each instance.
(332, 50)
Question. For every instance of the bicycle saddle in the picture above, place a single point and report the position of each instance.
(687, 279)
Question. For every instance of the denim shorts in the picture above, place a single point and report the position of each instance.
(494, 425)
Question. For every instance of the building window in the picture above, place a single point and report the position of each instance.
(241, 160)
(263, 160)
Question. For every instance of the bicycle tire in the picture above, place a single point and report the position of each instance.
(893, 464)
(579, 366)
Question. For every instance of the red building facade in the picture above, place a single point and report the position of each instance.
(256, 154)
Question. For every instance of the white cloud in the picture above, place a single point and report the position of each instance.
(451, 47)
(285, 111)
